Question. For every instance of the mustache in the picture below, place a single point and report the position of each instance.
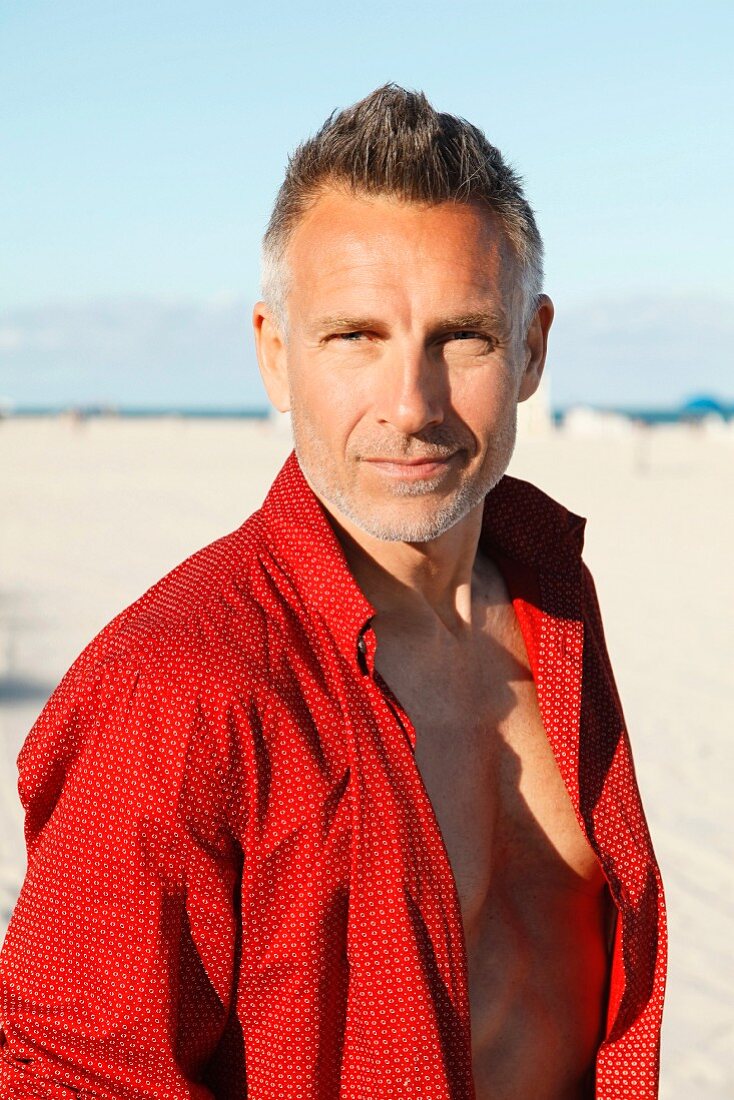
(436, 443)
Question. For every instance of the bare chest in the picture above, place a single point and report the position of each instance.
(533, 896)
(500, 801)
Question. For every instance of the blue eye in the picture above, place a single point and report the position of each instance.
(349, 337)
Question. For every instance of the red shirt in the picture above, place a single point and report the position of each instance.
(236, 883)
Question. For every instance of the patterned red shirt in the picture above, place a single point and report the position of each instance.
(236, 883)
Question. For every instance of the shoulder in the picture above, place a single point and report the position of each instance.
(203, 623)
(169, 668)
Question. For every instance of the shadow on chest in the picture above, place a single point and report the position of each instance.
(502, 807)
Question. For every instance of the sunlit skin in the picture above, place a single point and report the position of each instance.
(405, 358)
(400, 405)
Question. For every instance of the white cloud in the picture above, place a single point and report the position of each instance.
(11, 339)
(131, 351)
(654, 351)
(164, 351)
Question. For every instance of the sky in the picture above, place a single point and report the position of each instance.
(142, 145)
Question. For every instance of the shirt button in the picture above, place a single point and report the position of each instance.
(362, 655)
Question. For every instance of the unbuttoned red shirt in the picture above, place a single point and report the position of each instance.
(237, 886)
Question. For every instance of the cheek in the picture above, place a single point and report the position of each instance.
(485, 397)
(333, 408)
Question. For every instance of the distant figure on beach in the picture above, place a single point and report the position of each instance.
(344, 807)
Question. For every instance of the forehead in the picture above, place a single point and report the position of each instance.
(346, 242)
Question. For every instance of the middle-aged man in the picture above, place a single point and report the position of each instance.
(344, 806)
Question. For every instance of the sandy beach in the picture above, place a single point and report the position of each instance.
(96, 511)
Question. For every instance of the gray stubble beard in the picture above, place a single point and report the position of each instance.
(470, 493)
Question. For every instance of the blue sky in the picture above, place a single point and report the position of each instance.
(142, 145)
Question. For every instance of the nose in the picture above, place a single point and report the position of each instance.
(413, 392)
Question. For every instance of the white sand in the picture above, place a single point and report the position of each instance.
(95, 513)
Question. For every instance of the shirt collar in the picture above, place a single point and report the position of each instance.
(301, 537)
(520, 522)
(525, 524)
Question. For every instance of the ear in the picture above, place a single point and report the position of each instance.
(271, 356)
(535, 348)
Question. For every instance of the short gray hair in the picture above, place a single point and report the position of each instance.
(394, 143)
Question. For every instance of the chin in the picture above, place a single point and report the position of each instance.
(402, 520)
(413, 512)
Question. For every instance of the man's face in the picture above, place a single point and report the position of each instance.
(404, 362)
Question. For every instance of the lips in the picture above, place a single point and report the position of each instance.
(410, 467)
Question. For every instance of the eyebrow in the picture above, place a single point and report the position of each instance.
(483, 318)
(342, 323)
(477, 319)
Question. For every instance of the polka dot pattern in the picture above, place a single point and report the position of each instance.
(236, 883)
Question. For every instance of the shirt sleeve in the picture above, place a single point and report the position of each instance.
(117, 969)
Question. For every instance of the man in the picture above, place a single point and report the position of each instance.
(344, 805)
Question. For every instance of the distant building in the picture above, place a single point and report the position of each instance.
(589, 421)
(534, 416)
(280, 421)
(587, 418)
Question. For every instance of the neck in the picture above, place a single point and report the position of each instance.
(415, 581)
